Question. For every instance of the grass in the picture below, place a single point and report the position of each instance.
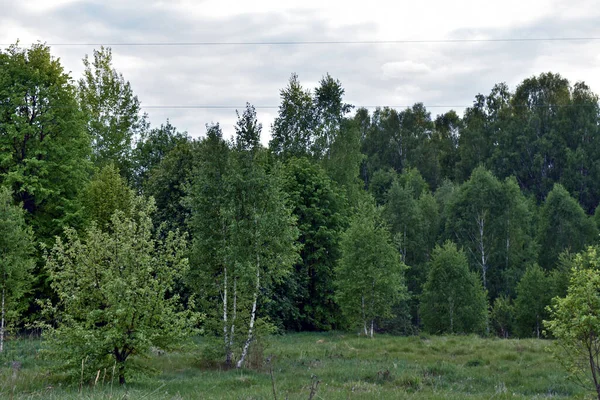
(344, 365)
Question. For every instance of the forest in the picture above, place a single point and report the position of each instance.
(119, 238)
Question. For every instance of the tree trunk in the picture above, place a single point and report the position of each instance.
(593, 366)
(364, 317)
(225, 327)
(2, 323)
(234, 316)
(371, 329)
(252, 319)
(481, 245)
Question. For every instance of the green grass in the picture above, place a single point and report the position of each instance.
(346, 366)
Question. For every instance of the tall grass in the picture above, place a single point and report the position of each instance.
(331, 366)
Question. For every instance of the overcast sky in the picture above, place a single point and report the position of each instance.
(372, 74)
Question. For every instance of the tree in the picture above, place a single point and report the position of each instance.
(112, 112)
(575, 323)
(533, 296)
(293, 128)
(492, 221)
(151, 148)
(243, 227)
(106, 193)
(169, 183)
(453, 299)
(306, 299)
(44, 148)
(370, 274)
(502, 316)
(115, 292)
(262, 228)
(211, 275)
(16, 263)
(563, 226)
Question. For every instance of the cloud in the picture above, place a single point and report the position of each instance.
(399, 68)
(372, 74)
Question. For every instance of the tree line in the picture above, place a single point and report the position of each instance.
(118, 236)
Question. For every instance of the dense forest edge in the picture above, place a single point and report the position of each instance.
(120, 238)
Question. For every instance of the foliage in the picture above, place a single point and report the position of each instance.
(306, 301)
(112, 112)
(563, 226)
(502, 316)
(106, 193)
(453, 299)
(43, 144)
(16, 263)
(115, 293)
(370, 274)
(574, 321)
(533, 296)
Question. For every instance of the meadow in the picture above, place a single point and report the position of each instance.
(321, 365)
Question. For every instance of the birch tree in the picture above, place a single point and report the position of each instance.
(453, 299)
(370, 273)
(16, 261)
(244, 234)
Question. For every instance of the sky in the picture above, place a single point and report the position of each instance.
(437, 74)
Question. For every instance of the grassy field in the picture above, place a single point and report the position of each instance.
(345, 366)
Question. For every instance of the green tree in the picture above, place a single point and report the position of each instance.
(320, 211)
(502, 316)
(563, 226)
(453, 299)
(246, 233)
(106, 193)
(533, 296)
(293, 128)
(212, 274)
(115, 293)
(151, 148)
(112, 112)
(492, 221)
(16, 263)
(43, 144)
(370, 274)
(575, 323)
(169, 183)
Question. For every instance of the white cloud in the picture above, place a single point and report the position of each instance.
(398, 69)
(432, 73)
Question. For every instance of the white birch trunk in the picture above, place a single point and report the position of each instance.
(371, 329)
(364, 317)
(225, 336)
(233, 317)
(252, 319)
(2, 323)
(481, 245)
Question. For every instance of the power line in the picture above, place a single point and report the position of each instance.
(324, 42)
(233, 107)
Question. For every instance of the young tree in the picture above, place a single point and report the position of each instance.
(563, 226)
(502, 316)
(16, 261)
(244, 229)
(574, 321)
(115, 292)
(112, 112)
(453, 299)
(533, 296)
(370, 274)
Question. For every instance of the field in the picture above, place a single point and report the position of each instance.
(344, 365)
